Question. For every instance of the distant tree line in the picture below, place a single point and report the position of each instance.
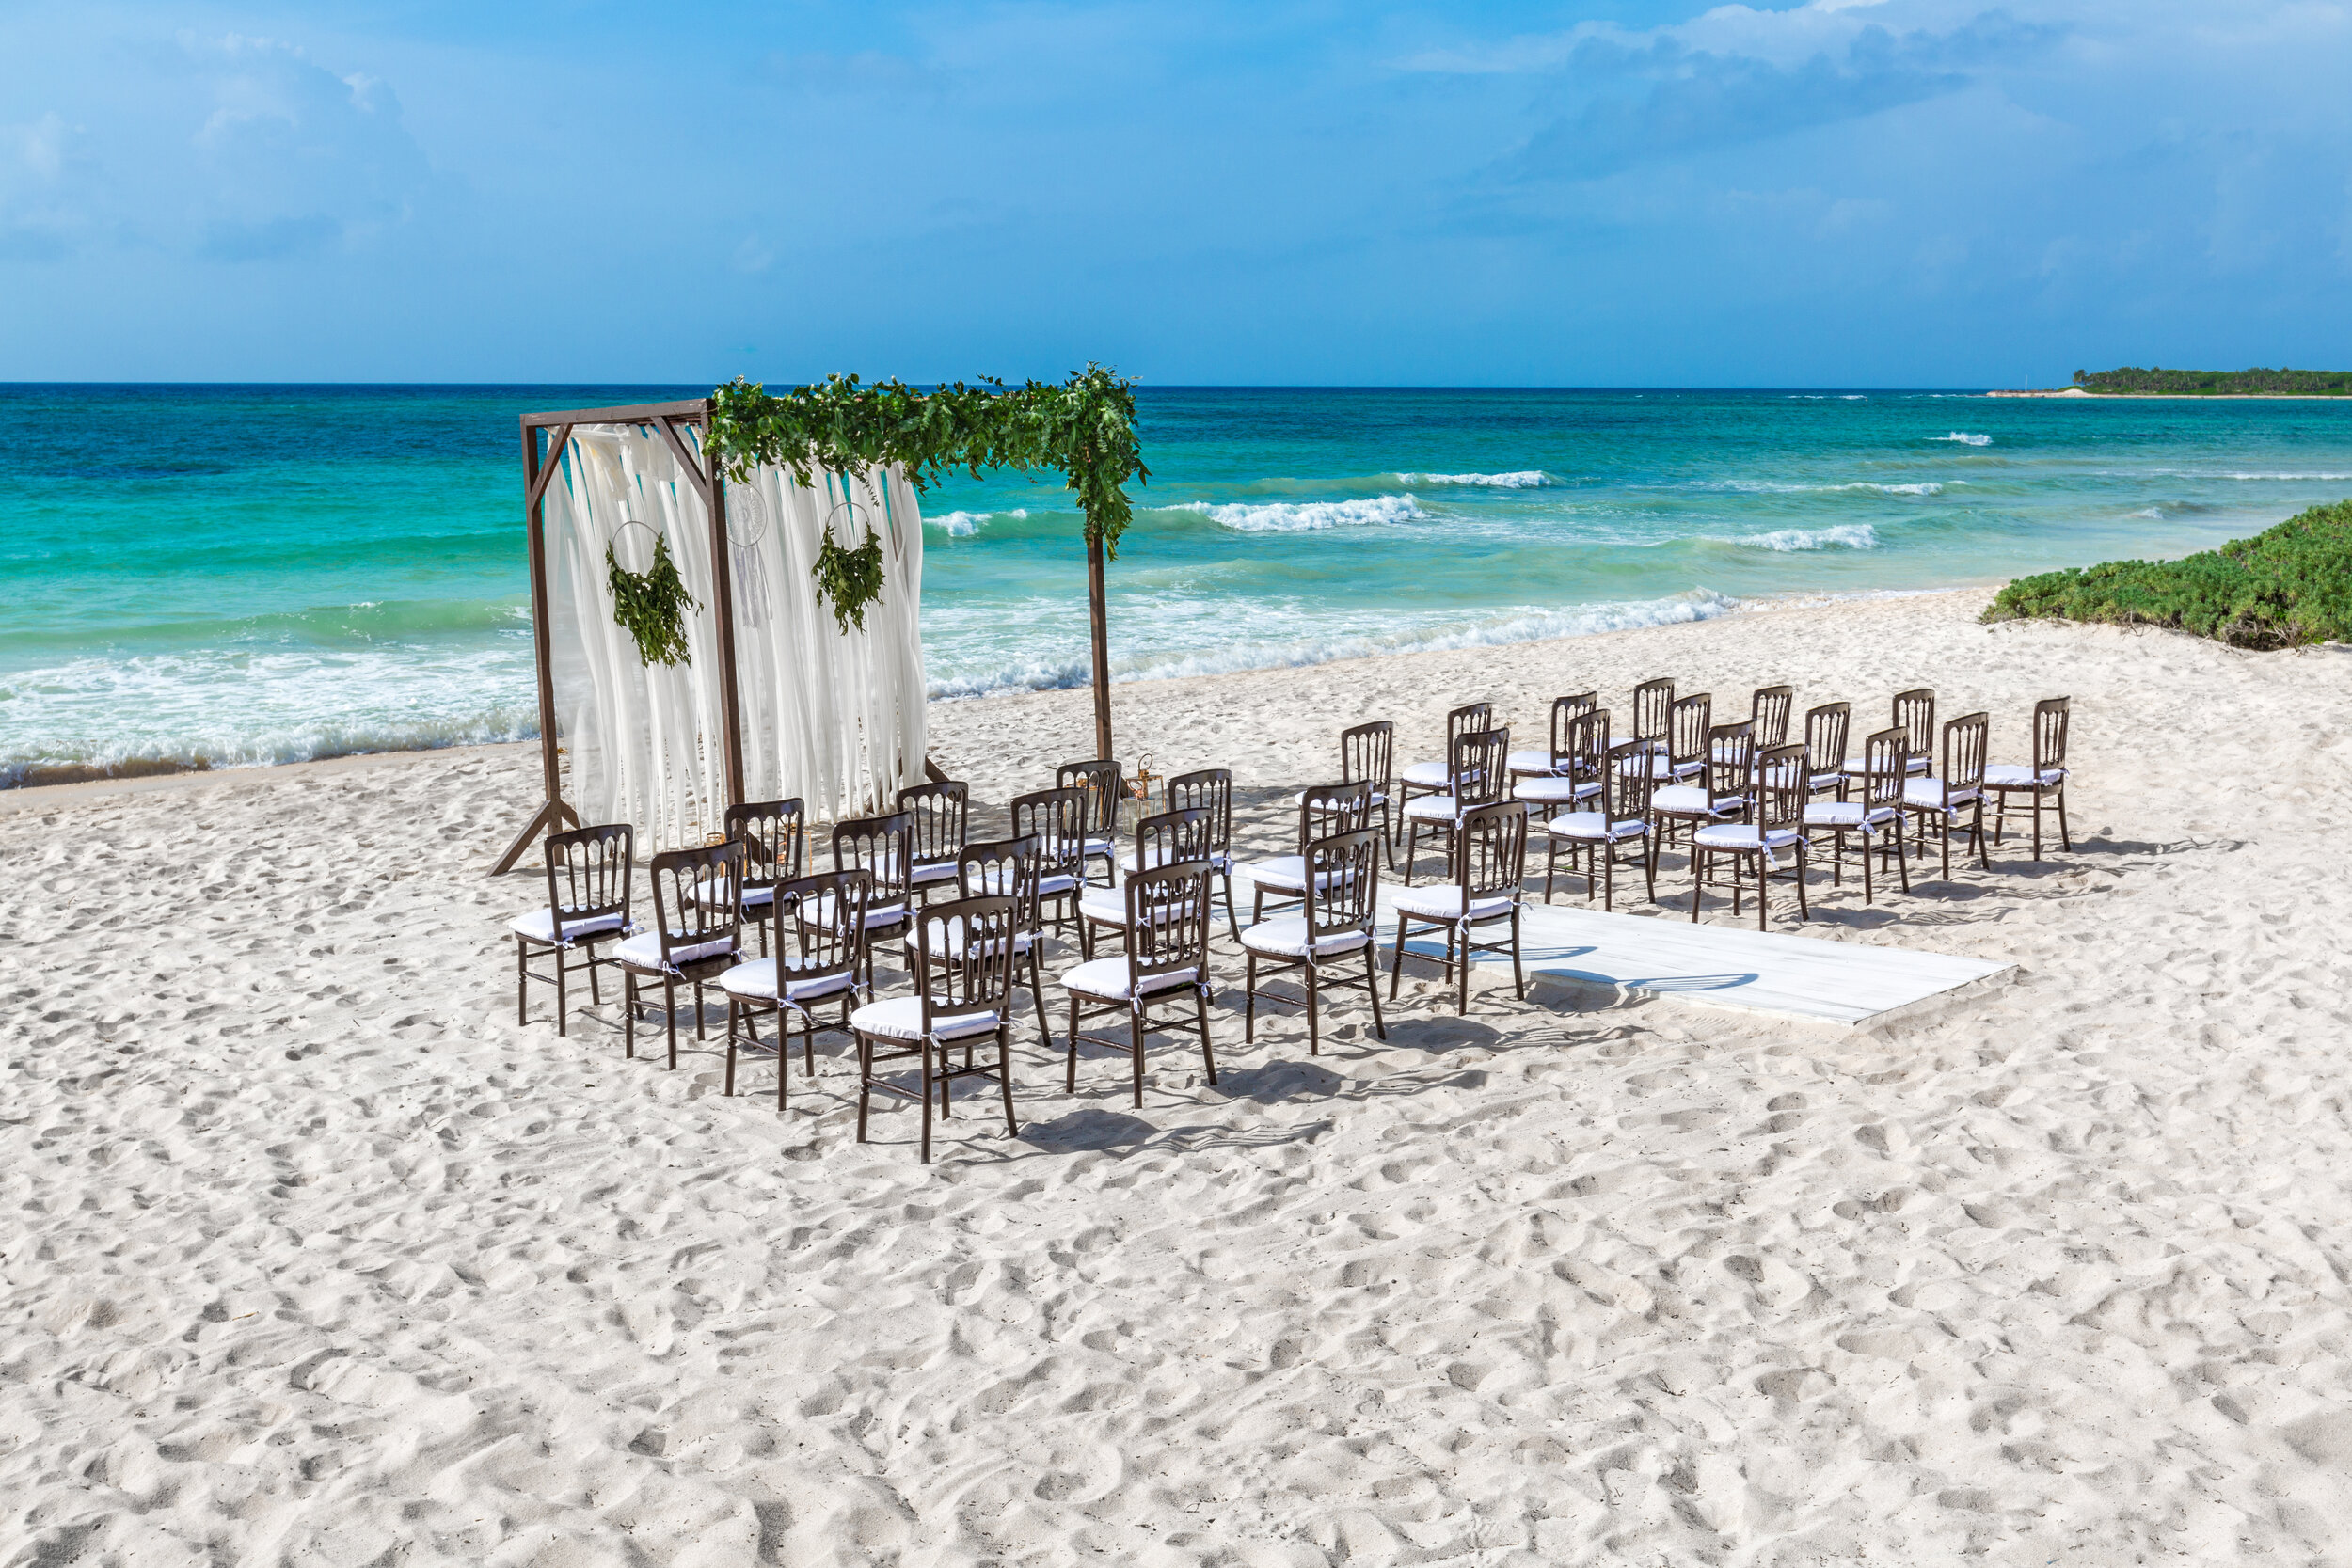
(2133, 379)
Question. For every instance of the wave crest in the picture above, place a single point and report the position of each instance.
(1308, 517)
(1845, 536)
(1525, 479)
(1964, 438)
(963, 525)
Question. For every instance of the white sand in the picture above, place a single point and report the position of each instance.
(310, 1255)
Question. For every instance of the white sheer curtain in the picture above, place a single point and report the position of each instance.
(835, 720)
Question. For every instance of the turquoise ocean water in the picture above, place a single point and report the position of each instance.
(262, 574)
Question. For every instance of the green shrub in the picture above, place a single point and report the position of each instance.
(2280, 588)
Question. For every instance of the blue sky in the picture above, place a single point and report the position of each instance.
(1904, 193)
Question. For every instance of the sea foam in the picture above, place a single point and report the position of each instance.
(963, 525)
(1964, 438)
(1845, 536)
(1525, 479)
(1308, 517)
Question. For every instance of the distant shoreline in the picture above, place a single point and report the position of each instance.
(2191, 397)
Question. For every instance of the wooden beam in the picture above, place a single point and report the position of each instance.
(548, 467)
(542, 616)
(686, 460)
(1098, 616)
(693, 411)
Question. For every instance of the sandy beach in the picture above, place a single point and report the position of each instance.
(313, 1256)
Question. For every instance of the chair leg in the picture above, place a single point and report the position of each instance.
(1608, 852)
(1249, 999)
(1314, 1007)
(1461, 979)
(668, 1011)
(1201, 1010)
(596, 994)
(1396, 959)
(1804, 911)
(1037, 1000)
(1865, 864)
(1069, 1073)
(628, 1015)
(926, 1099)
(1135, 1048)
(727, 1090)
(865, 1082)
(1003, 1077)
(522, 979)
(1976, 831)
(1763, 882)
(562, 999)
(1232, 921)
(1372, 986)
(1652, 873)
(784, 1048)
(1695, 853)
(1519, 973)
(2065, 837)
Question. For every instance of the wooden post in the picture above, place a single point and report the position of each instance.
(552, 814)
(722, 607)
(1098, 615)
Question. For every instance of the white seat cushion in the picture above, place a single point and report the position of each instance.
(1823, 780)
(1663, 767)
(1846, 814)
(1107, 978)
(1056, 882)
(1856, 768)
(1432, 808)
(748, 897)
(1692, 799)
(1103, 903)
(1532, 762)
(1283, 874)
(1594, 827)
(900, 1018)
(1287, 938)
(938, 871)
(1422, 775)
(820, 913)
(539, 925)
(1099, 846)
(643, 951)
(1550, 790)
(1740, 835)
(2010, 775)
(1928, 795)
(1444, 902)
(756, 981)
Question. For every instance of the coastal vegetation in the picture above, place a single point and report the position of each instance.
(2284, 588)
(2256, 382)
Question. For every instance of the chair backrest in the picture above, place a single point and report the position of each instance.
(1104, 784)
(1826, 729)
(1686, 735)
(964, 958)
(1003, 868)
(828, 923)
(1368, 755)
(1342, 882)
(2050, 717)
(1885, 763)
(1168, 923)
(1490, 852)
(939, 816)
(1914, 712)
(1653, 706)
(1965, 739)
(1467, 719)
(1588, 743)
(1171, 838)
(1056, 818)
(1768, 710)
(1209, 789)
(880, 847)
(1477, 772)
(698, 900)
(1626, 769)
(1332, 808)
(1730, 761)
(1565, 711)
(775, 841)
(1782, 784)
(588, 873)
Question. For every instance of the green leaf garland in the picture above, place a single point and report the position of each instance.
(849, 580)
(652, 606)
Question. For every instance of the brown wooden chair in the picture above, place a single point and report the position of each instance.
(1482, 889)
(1211, 789)
(1686, 755)
(1826, 729)
(1056, 818)
(1775, 828)
(1939, 800)
(1164, 838)
(697, 923)
(938, 820)
(819, 965)
(1341, 899)
(1368, 756)
(1012, 868)
(1476, 777)
(1722, 793)
(1166, 919)
(1104, 785)
(1878, 816)
(776, 850)
(1575, 777)
(1431, 778)
(2044, 781)
(1324, 811)
(588, 881)
(882, 847)
(1620, 815)
(1653, 712)
(1768, 710)
(1553, 761)
(962, 961)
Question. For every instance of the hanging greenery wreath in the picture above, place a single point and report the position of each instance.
(652, 605)
(1086, 428)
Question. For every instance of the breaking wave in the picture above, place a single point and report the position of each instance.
(1526, 478)
(1308, 517)
(1965, 440)
(963, 525)
(1850, 536)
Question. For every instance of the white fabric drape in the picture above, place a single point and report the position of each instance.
(835, 720)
